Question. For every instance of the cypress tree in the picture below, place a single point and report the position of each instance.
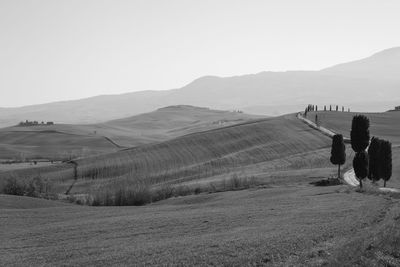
(360, 165)
(338, 151)
(385, 161)
(325, 108)
(330, 108)
(374, 159)
(359, 133)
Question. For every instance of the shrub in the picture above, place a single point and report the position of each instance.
(14, 187)
(136, 195)
(36, 187)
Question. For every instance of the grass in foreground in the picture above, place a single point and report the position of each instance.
(278, 226)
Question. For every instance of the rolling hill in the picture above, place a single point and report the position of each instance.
(376, 79)
(63, 140)
(285, 222)
(257, 147)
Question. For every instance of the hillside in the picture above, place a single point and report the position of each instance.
(60, 140)
(376, 79)
(288, 226)
(285, 221)
(166, 123)
(257, 148)
(50, 144)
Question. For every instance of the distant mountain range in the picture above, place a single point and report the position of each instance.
(370, 84)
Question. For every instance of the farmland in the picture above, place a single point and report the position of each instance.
(280, 220)
(257, 147)
(63, 141)
(280, 226)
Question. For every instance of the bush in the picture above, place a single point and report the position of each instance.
(136, 195)
(13, 187)
(35, 187)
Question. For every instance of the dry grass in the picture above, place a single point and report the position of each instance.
(208, 153)
(198, 156)
(64, 141)
(249, 227)
(136, 193)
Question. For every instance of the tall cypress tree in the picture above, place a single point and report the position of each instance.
(360, 165)
(359, 142)
(385, 161)
(374, 159)
(338, 151)
(359, 133)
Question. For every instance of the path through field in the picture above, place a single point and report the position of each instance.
(349, 176)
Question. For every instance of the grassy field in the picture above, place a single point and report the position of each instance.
(50, 144)
(282, 220)
(261, 146)
(62, 141)
(275, 226)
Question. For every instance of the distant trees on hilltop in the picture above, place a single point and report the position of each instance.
(35, 123)
(312, 107)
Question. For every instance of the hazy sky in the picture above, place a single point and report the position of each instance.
(58, 50)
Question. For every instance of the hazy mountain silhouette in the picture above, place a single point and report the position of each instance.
(370, 84)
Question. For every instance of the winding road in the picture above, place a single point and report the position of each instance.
(349, 176)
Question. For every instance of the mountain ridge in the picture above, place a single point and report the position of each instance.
(372, 79)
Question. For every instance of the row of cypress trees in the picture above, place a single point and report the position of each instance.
(311, 107)
(375, 164)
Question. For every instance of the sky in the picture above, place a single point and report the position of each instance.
(53, 50)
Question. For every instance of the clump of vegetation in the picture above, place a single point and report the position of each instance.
(142, 193)
(34, 187)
